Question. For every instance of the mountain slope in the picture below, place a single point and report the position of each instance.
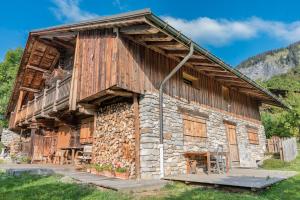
(264, 66)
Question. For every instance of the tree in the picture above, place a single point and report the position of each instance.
(8, 70)
(284, 122)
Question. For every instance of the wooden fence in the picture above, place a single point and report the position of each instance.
(286, 147)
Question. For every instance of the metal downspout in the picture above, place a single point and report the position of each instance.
(161, 128)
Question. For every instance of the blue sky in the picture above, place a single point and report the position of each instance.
(232, 29)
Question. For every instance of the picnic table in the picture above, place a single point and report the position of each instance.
(72, 151)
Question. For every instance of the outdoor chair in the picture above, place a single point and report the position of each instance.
(84, 156)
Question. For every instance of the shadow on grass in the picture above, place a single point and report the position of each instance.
(31, 187)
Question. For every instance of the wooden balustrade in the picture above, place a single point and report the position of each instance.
(48, 101)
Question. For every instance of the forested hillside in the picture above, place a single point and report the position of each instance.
(8, 69)
(283, 122)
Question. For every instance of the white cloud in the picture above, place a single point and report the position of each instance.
(220, 32)
(215, 32)
(118, 4)
(69, 11)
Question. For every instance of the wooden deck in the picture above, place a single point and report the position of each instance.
(242, 178)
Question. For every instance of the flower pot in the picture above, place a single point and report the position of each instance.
(101, 173)
(108, 173)
(122, 175)
(93, 171)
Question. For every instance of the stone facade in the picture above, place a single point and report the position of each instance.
(11, 140)
(174, 143)
(114, 140)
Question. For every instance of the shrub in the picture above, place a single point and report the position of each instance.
(107, 167)
(98, 167)
(121, 169)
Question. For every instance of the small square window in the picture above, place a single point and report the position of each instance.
(188, 79)
(253, 136)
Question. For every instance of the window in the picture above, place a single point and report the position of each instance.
(188, 82)
(188, 79)
(253, 136)
(194, 126)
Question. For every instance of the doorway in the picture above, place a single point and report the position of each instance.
(233, 145)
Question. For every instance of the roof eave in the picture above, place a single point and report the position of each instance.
(186, 41)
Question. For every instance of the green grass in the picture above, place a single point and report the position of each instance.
(285, 190)
(29, 187)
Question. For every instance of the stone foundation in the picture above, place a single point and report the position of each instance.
(175, 145)
(114, 140)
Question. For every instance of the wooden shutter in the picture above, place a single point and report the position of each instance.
(86, 131)
(253, 136)
(194, 126)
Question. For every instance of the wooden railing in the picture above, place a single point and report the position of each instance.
(48, 101)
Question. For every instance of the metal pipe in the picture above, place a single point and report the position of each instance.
(161, 128)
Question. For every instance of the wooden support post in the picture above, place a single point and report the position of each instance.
(32, 133)
(56, 96)
(18, 107)
(43, 102)
(137, 135)
(75, 77)
(34, 108)
(26, 114)
(208, 163)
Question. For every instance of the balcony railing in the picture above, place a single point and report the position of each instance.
(49, 101)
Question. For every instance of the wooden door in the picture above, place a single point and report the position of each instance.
(63, 137)
(232, 144)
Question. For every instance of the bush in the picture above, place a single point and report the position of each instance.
(98, 168)
(121, 169)
(107, 167)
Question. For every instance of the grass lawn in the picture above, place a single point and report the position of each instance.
(51, 187)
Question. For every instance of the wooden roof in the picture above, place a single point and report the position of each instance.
(146, 29)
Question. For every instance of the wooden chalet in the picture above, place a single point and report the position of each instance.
(96, 83)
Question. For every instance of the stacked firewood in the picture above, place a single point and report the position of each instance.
(114, 141)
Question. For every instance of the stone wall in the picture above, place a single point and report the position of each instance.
(11, 140)
(114, 136)
(174, 143)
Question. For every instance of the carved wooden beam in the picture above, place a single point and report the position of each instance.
(37, 69)
(63, 43)
(29, 89)
(139, 29)
(87, 110)
(119, 93)
(153, 37)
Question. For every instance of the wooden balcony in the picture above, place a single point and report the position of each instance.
(44, 104)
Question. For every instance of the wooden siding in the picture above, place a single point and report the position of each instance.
(63, 137)
(96, 62)
(141, 69)
(104, 60)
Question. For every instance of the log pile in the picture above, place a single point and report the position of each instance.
(114, 141)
